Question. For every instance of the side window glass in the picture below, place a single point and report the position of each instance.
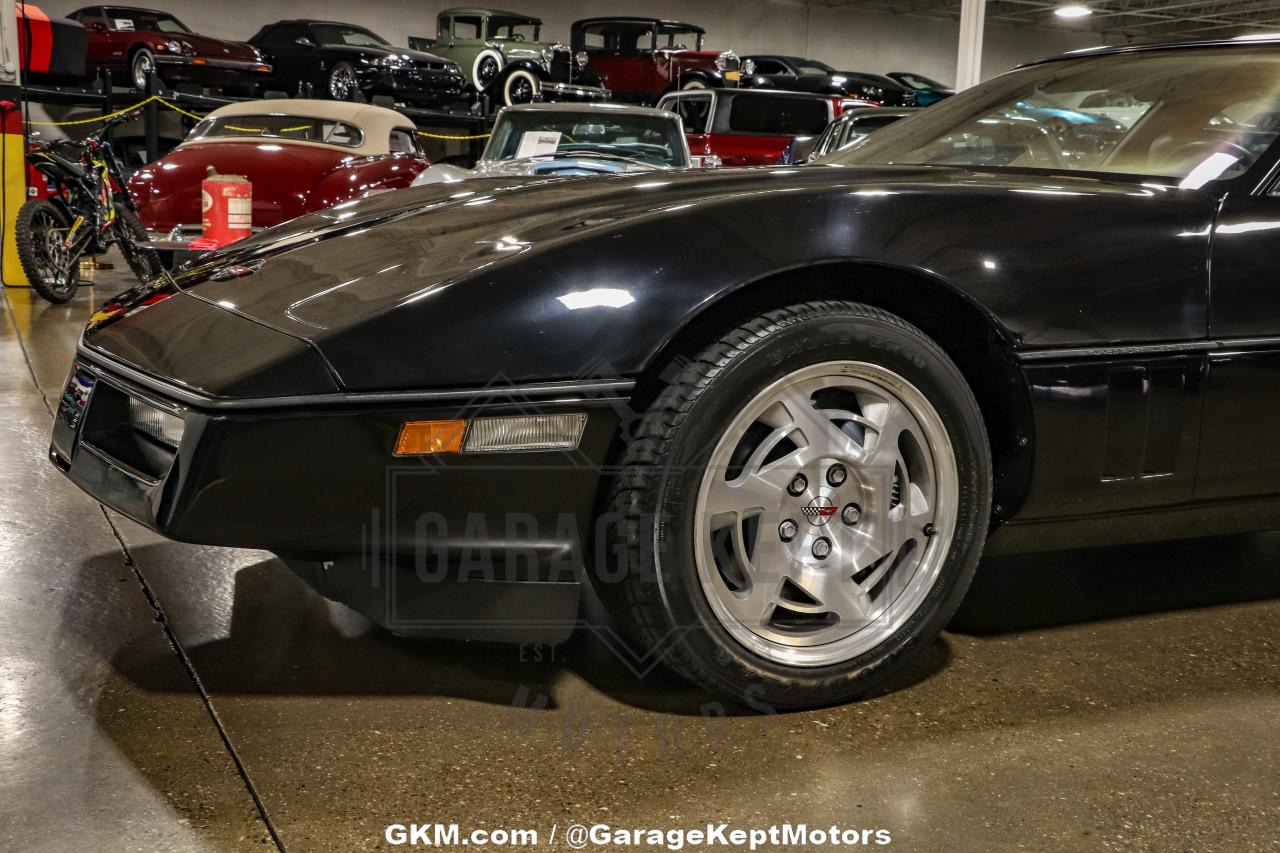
(402, 142)
(466, 28)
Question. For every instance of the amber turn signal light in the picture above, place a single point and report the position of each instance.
(418, 438)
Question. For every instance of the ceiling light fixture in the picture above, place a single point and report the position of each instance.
(1073, 11)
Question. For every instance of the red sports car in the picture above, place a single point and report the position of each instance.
(750, 127)
(300, 155)
(132, 43)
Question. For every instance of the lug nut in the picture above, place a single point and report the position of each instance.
(850, 514)
(787, 530)
(798, 485)
(821, 547)
(836, 475)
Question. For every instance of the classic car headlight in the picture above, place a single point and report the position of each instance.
(547, 54)
(390, 61)
(163, 426)
(174, 46)
(582, 59)
(727, 61)
(748, 67)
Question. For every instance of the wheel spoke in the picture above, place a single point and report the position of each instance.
(821, 435)
(834, 592)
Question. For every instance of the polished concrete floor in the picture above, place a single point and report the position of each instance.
(158, 696)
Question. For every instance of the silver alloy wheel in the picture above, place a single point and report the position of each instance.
(144, 65)
(342, 82)
(825, 513)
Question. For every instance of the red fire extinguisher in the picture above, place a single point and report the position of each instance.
(226, 208)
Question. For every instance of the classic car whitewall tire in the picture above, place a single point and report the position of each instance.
(521, 86)
(486, 68)
(802, 509)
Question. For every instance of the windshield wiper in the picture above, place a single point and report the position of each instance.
(603, 156)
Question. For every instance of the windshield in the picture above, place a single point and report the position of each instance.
(515, 29)
(295, 128)
(652, 139)
(811, 67)
(1192, 115)
(143, 21)
(917, 81)
(344, 34)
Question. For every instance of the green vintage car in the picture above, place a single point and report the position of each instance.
(502, 55)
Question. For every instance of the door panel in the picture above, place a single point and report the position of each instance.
(1240, 456)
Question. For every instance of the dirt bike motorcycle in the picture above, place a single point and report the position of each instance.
(88, 212)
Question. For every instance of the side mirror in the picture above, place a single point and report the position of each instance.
(706, 161)
(96, 27)
(803, 147)
(304, 41)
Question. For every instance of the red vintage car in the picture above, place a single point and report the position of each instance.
(640, 59)
(750, 127)
(133, 43)
(300, 155)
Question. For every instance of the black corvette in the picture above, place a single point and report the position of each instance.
(797, 74)
(340, 60)
(776, 414)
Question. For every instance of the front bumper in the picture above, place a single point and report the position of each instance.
(411, 82)
(314, 477)
(199, 69)
(573, 92)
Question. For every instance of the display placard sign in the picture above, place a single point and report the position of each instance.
(537, 143)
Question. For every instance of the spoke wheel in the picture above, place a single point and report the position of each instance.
(342, 82)
(825, 513)
(40, 234)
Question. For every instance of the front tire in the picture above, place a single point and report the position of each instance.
(39, 233)
(521, 87)
(802, 509)
(341, 84)
(130, 234)
(142, 66)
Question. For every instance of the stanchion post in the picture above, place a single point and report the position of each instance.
(151, 121)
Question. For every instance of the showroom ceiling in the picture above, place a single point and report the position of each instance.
(1138, 19)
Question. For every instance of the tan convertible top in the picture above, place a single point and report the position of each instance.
(376, 122)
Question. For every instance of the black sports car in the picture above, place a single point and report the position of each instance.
(809, 75)
(341, 60)
(774, 414)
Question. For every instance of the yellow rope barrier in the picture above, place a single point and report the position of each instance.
(97, 118)
(177, 109)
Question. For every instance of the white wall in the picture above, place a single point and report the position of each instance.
(845, 37)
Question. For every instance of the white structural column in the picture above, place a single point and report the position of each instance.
(8, 42)
(973, 14)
